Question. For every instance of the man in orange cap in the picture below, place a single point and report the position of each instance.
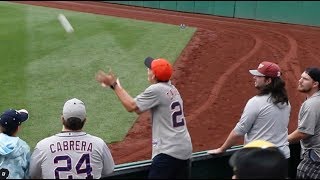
(171, 142)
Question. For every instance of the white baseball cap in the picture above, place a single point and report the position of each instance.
(74, 108)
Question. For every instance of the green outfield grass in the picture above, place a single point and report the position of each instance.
(42, 66)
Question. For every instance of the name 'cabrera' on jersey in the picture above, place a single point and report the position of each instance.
(75, 155)
(169, 129)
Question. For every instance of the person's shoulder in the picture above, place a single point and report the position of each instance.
(313, 100)
(311, 104)
(254, 98)
(23, 144)
(153, 88)
(96, 138)
(261, 97)
(45, 141)
(160, 86)
(21, 141)
(257, 100)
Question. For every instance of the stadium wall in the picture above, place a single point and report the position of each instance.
(202, 166)
(293, 12)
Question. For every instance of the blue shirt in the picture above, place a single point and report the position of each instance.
(14, 157)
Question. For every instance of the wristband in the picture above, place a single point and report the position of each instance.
(112, 86)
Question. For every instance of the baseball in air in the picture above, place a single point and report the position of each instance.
(65, 23)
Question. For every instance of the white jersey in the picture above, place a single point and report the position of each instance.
(75, 155)
(169, 129)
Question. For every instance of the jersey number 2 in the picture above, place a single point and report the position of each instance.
(177, 115)
(85, 158)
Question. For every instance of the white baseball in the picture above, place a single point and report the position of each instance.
(103, 85)
(65, 23)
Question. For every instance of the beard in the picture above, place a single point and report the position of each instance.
(303, 89)
(259, 86)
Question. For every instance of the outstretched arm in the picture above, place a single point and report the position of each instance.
(110, 80)
(232, 139)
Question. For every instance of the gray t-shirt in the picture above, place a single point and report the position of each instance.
(76, 155)
(169, 129)
(309, 123)
(261, 119)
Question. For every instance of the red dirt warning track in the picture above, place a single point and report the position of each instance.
(212, 71)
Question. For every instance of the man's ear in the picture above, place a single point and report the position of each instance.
(154, 77)
(268, 80)
(316, 84)
(62, 119)
(18, 129)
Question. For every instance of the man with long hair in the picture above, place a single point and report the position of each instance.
(308, 131)
(266, 115)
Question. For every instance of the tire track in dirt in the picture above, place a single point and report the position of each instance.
(314, 55)
(224, 77)
(215, 91)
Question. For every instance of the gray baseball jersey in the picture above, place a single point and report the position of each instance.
(169, 129)
(309, 123)
(261, 119)
(75, 155)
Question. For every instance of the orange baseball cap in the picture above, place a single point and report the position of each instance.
(160, 67)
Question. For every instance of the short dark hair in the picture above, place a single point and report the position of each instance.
(266, 163)
(73, 123)
(8, 130)
(162, 81)
(314, 73)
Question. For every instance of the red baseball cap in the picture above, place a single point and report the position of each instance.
(266, 68)
(160, 67)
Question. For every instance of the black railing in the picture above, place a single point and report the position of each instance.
(203, 166)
